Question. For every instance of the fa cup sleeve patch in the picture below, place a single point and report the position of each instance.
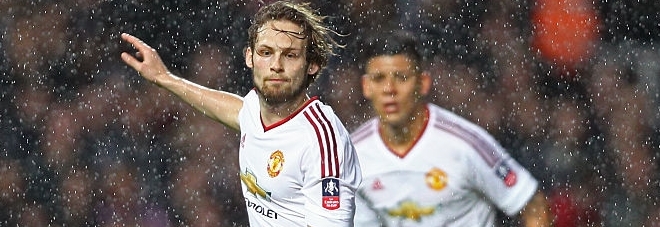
(506, 174)
(330, 193)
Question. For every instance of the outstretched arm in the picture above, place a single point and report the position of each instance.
(536, 213)
(218, 105)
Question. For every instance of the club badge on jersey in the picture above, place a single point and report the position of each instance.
(330, 198)
(436, 179)
(275, 163)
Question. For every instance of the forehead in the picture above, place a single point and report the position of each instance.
(281, 33)
(389, 63)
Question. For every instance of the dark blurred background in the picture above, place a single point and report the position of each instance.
(569, 87)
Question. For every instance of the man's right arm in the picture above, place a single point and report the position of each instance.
(220, 106)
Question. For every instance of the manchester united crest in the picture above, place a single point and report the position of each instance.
(275, 163)
(436, 179)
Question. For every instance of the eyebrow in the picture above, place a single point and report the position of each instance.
(374, 75)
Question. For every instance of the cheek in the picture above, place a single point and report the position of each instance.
(259, 62)
(412, 92)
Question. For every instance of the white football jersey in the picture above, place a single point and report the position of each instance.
(455, 174)
(300, 171)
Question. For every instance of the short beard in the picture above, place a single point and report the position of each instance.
(282, 97)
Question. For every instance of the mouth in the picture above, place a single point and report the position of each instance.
(390, 107)
(276, 80)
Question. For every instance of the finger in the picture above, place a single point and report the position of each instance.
(130, 61)
(137, 43)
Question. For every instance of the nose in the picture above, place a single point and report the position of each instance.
(276, 64)
(389, 85)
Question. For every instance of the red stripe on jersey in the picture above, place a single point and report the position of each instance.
(325, 135)
(318, 138)
(327, 146)
(487, 151)
(333, 141)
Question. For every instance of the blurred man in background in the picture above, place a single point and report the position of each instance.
(424, 165)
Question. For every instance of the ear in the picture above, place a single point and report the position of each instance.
(248, 57)
(366, 87)
(312, 69)
(425, 83)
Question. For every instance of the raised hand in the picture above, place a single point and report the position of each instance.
(146, 61)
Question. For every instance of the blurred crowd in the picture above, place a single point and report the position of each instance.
(569, 87)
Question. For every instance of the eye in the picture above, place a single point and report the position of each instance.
(264, 52)
(292, 55)
(402, 77)
(376, 77)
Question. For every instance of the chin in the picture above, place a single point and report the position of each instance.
(391, 119)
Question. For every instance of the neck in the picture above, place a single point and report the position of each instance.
(274, 112)
(401, 136)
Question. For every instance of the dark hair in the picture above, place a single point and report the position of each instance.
(388, 43)
(320, 44)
